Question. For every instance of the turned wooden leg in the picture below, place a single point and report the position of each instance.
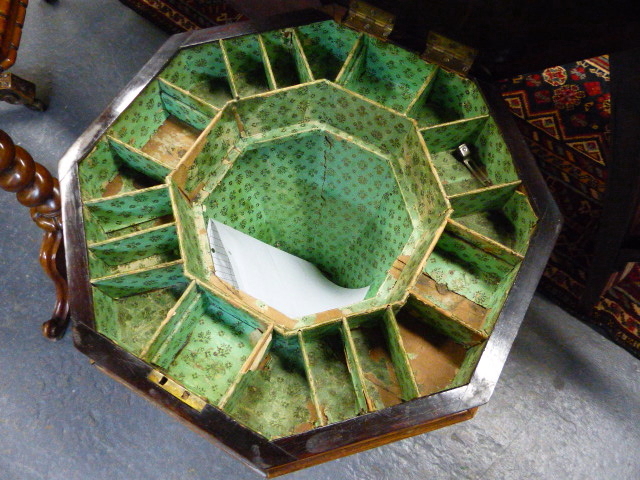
(37, 189)
(16, 90)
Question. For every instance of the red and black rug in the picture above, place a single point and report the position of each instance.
(564, 114)
(175, 16)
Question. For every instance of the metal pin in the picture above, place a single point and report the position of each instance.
(463, 154)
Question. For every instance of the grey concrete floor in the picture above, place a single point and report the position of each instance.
(567, 405)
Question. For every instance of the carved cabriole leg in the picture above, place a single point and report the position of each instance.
(16, 90)
(37, 189)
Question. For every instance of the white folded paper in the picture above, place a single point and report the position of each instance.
(283, 281)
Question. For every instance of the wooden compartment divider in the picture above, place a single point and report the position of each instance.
(441, 351)
(276, 398)
(380, 359)
(338, 393)
(304, 69)
(322, 419)
(509, 223)
(365, 402)
(445, 322)
(155, 245)
(482, 199)
(252, 363)
(487, 244)
(188, 98)
(131, 208)
(351, 62)
(422, 92)
(192, 343)
(163, 122)
(447, 98)
(399, 355)
(282, 57)
(139, 281)
(459, 264)
(139, 160)
(384, 73)
(202, 72)
(326, 46)
(249, 70)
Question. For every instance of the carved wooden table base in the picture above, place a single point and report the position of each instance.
(37, 189)
(16, 90)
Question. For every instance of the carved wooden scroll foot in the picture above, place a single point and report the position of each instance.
(37, 189)
(16, 90)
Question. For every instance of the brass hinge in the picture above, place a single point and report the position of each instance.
(177, 390)
(369, 19)
(449, 54)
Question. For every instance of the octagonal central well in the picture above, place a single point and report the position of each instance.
(321, 198)
(348, 189)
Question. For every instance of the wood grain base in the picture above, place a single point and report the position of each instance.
(371, 443)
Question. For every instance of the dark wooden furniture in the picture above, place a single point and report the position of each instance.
(289, 453)
(618, 239)
(36, 189)
(13, 89)
(286, 454)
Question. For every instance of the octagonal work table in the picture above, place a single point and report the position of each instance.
(343, 150)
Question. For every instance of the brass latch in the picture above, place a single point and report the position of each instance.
(449, 54)
(369, 19)
(177, 390)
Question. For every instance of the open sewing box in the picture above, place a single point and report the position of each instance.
(336, 146)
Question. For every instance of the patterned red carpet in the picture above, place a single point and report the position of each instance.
(175, 16)
(564, 113)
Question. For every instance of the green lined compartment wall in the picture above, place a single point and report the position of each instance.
(141, 118)
(196, 261)
(387, 74)
(248, 71)
(206, 348)
(279, 109)
(298, 195)
(276, 400)
(420, 183)
(288, 69)
(447, 137)
(466, 269)
(103, 173)
(443, 322)
(201, 70)
(498, 299)
(125, 214)
(438, 361)
(162, 276)
(99, 269)
(484, 243)
(139, 161)
(209, 165)
(379, 127)
(138, 245)
(133, 320)
(510, 224)
(448, 97)
(482, 199)
(337, 395)
(384, 377)
(326, 46)
(488, 152)
(150, 111)
(198, 105)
